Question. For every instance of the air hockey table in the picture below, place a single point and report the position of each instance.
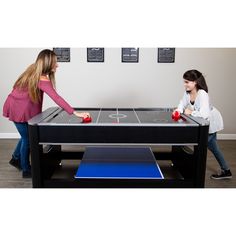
(123, 127)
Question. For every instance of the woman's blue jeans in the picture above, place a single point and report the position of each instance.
(22, 149)
(213, 147)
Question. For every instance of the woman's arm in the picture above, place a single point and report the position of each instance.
(46, 86)
(202, 103)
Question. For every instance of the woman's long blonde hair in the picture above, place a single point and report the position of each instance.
(29, 79)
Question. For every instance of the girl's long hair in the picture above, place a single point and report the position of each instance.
(29, 79)
(195, 75)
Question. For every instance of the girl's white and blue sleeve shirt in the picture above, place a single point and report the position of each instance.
(202, 108)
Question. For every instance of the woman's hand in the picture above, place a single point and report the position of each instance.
(81, 114)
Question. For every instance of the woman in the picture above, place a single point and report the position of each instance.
(195, 102)
(26, 100)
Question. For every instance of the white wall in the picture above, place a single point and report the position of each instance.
(116, 84)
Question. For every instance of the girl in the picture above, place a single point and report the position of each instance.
(195, 102)
(26, 99)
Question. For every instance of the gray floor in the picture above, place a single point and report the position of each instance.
(12, 178)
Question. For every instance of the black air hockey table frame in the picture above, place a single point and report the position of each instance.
(53, 128)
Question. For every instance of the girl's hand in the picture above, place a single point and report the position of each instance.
(176, 110)
(188, 111)
(81, 114)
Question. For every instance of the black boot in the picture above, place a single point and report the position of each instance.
(15, 162)
(26, 174)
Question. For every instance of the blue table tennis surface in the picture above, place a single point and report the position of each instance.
(118, 163)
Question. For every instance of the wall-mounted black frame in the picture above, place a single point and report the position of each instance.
(95, 54)
(130, 55)
(166, 55)
(63, 54)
